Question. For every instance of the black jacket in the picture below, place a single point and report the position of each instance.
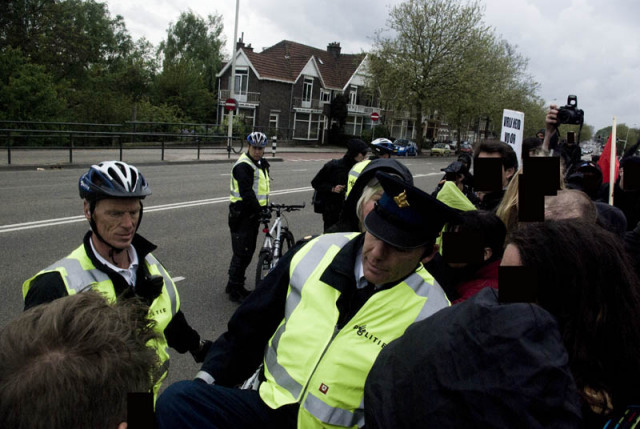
(50, 286)
(334, 172)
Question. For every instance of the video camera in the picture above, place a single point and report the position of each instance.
(570, 114)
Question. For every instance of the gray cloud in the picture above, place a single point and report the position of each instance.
(590, 48)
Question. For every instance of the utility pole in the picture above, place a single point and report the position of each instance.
(233, 81)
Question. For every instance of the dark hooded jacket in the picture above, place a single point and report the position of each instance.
(348, 221)
(479, 364)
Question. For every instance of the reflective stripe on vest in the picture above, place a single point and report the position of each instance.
(354, 173)
(260, 187)
(78, 274)
(325, 369)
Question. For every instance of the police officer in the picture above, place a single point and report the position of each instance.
(317, 323)
(117, 262)
(249, 195)
(331, 182)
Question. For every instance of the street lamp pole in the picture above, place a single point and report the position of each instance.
(233, 81)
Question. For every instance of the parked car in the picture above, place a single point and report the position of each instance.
(405, 147)
(466, 148)
(440, 149)
(385, 145)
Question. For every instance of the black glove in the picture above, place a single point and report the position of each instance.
(201, 352)
(150, 288)
(265, 214)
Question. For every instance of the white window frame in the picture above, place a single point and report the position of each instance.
(353, 95)
(307, 92)
(241, 86)
(273, 121)
(325, 95)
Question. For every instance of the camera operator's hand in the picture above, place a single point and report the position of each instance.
(551, 120)
(551, 127)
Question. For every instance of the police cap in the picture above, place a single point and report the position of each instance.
(405, 216)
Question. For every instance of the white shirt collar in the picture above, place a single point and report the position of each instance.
(358, 270)
(129, 274)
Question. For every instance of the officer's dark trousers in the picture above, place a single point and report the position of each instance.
(243, 243)
(194, 404)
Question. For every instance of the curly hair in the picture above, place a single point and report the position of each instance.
(586, 280)
(70, 363)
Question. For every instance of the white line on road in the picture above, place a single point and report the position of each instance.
(429, 174)
(64, 220)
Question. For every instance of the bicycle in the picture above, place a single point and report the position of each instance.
(275, 239)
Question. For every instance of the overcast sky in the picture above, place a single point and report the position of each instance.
(590, 48)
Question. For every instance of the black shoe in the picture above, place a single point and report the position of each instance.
(236, 296)
(237, 293)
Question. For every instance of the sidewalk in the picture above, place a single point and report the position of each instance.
(27, 159)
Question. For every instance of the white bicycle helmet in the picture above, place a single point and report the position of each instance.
(113, 179)
(257, 138)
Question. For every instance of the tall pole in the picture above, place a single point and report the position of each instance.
(233, 81)
(612, 161)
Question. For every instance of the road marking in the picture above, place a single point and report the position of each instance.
(428, 174)
(178, 279)
(149, 209)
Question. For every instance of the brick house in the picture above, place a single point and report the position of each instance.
(287, 90)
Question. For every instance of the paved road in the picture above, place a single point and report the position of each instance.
(40, 222)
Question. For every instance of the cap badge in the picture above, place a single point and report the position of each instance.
(401, 200)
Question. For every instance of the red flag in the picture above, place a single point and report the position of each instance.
(605, 162)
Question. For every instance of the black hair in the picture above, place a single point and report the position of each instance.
(507, 154)
(488, 224)
(586, 280)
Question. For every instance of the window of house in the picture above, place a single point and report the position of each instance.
(273, 122)
(325, 95)
(242, 82)
(353, 125)
(307, 89)
(353, 95)
(307, 126)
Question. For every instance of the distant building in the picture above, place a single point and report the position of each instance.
(287, 89)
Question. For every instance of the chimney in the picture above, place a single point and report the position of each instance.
(334, 49)
(240, 44)
(248, 48)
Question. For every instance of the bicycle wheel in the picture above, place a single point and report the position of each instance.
(264, 265)
(286, 242)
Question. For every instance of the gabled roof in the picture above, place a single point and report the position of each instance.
(285, 60)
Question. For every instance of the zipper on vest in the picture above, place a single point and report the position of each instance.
(336, 331)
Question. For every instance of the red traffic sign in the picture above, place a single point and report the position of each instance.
(230, 104)
(375, 116)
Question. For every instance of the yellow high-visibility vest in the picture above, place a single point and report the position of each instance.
(309, 361)
(261, 185)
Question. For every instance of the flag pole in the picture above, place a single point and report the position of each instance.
(612, 161)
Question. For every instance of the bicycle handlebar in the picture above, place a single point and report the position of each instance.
(285, 207)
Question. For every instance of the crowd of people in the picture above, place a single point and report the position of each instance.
(506, 297)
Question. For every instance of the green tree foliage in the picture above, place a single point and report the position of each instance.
(181, 85)
(27, 91)
(198, 42)
(425, 58)
(69, 60)
(442, 60)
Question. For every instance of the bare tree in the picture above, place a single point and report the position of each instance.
(423, 59)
